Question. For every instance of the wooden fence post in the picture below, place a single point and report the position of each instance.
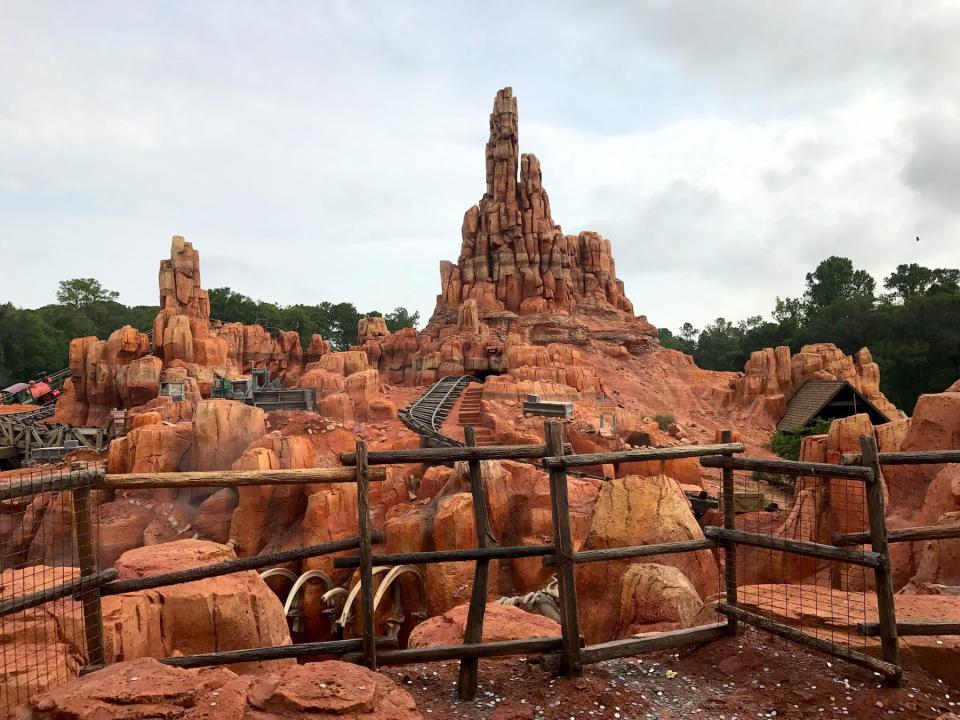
(473, 633)
(563, 542)
(730, 548)
(882, 574)
(87, 557)
(366, 553)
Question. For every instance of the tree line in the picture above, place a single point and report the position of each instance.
(912, 326)
(36, 340)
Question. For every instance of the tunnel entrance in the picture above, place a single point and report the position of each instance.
(482, 375)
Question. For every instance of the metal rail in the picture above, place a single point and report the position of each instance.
(426, 414)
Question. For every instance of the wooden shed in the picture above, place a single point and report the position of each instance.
(827, 399)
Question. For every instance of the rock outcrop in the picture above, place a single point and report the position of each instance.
(772, 376)
(519, 285)
(125, 371)
(500, 622)
(230, 612)
(146, 688)
(643, 511)
(514, 256)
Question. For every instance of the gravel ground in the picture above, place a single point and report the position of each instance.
(752, 676)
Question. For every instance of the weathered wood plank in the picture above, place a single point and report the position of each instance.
(449, 454)
(916, 457)
(624, 456)
(299, 650)
(441, 556)
(799, 547)
(366, 553)
(563, 544)
(872, 629)
(652, 643)
(886, 610)
(473, 633)
(788, 467)
(910, 534)
(635, 551)
(231, 566)
(527, 646)
(230, 478)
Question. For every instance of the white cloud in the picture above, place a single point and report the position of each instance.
(328, 151)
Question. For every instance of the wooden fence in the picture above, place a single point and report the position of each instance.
(568, 653)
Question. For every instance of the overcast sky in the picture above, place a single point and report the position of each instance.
(328, 150)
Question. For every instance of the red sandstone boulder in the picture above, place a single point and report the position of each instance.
(656, 598)
(146, 688)
(638, 511)
(500, 622)
(230, 612)
(222, 430)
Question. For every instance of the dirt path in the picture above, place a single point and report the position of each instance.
(753, 676)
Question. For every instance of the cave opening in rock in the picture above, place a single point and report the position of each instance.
(482, 375)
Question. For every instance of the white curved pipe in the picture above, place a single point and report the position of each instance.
(300, 582)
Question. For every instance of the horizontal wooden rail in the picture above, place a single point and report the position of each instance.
(872, 629)
(802, 638)
(526, 646)
(789, 467)
(625, 456)
(652, 643)
(634, 551)
(66, 589)
(232, 566)
(451, 454)
(279, 652)
(442, 556)
(230, 478)
(910, 534)
(799, 547)
(918, 457)
(53, 482)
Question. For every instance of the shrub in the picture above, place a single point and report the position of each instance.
(664, 420)
(786, 443)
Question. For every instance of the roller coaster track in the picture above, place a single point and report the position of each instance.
(426, 414)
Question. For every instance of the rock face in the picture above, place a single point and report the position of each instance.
(519, 284)
(500, 622)
(231, 612)
(642, 511)
(772, 376)
(124, 371)
(147, 689)
(514, 256)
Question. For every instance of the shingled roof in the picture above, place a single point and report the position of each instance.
(814, 399)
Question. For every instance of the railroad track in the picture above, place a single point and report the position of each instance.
(426, 414)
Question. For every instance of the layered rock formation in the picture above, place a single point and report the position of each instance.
(519, 283)
(514, 256)
(125, 371)
(772, 376)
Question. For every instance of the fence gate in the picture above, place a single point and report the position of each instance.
(783, 572)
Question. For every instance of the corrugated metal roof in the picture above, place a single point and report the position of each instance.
(809, 400)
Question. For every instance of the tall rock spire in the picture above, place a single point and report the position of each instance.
(514, 257)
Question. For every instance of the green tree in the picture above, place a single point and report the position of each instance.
(909, 281)
(835, 279)
(80, 293)
(401, 318)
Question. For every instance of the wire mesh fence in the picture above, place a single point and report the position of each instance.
(41, 646)
(820, 597)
